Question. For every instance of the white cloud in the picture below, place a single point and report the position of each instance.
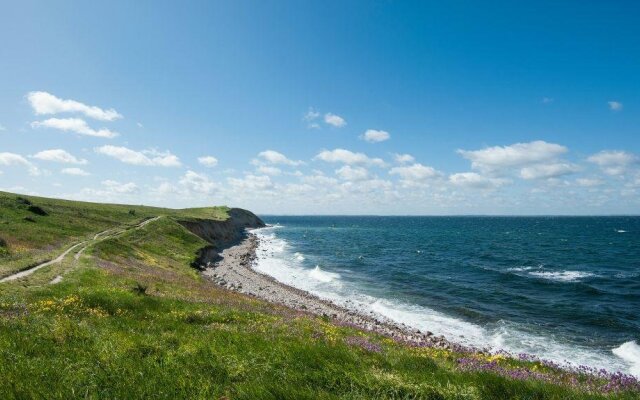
(12, 159)
(415, 172)
(350, 173)
(403, 158)
(613, 162)
(547, 100)
(2, 128)
(139, 125)
(545, 171)
(76, 125)
(334, 120)
(267, 170)
(310, 117)
(198, 182)
(208, 161)
(518, 154)
(588, 182)
(273, 157)
(122, 188)
(146, 157)
(615, 105)
(75, 171)
(58, 155)
(347, 157)
(375, 136)
(44, 103)
(251, 182)
(475, 180)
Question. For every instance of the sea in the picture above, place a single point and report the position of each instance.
(565, 289)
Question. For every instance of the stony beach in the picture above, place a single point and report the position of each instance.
(234, 271)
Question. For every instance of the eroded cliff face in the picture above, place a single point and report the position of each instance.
(221, 234)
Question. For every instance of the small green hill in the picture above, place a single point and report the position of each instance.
(128, 317)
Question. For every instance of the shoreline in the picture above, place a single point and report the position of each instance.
(234, 271)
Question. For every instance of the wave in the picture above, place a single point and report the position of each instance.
(630, 352)
(276, 258)
(323, 276)
(562, 276)
(621, 231)
(299, 257)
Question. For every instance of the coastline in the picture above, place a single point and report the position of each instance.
(233, 270)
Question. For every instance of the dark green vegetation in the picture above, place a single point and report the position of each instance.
(132, 319)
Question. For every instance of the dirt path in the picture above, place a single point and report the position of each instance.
(96, 238)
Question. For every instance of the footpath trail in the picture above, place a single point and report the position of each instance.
(100, 236)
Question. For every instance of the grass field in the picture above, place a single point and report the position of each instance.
(132, 319)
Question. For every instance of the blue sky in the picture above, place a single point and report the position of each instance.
(305, 107)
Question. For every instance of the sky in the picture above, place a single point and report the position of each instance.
(325, 107)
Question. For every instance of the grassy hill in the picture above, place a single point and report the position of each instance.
(131, 318)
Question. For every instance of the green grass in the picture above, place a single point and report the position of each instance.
(31, 239)
(95, 336)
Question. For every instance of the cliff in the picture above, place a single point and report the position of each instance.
(220, 234)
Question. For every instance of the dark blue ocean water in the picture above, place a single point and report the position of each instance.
(564, 288)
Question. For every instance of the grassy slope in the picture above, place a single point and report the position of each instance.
(68, 222)
(94, 335)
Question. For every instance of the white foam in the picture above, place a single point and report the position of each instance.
(621, 231)
(299, 257)
(630, 353)
(562, 276)
(281, 263)
(323, 276)
(520, 269)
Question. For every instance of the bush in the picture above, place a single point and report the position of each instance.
(140, 289)
(37, 210)
(132, 212)
(3, 243)
(22, 200)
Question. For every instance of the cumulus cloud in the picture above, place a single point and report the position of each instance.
(122, 188)
(347, 157)
(267, 170)
(44, 103)
(375, 136)
(615, 105)
(273, 157)
(251, 183)
(545, 171)
(415, 172)
(12, 159)
(475, 180)
(589, 182)
(196, 182)
(403, 158)
(334, 120)
(146, 157)
(311, 116)
(614, 162)
(75, 171)
(208, 161)
(515, 155)
(58, 155)
(75, 125)
(350, 173)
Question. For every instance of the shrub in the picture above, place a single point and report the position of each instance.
(22, 200)
(3, 243)
(132, 212)
(140, 288)
(37, 210)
